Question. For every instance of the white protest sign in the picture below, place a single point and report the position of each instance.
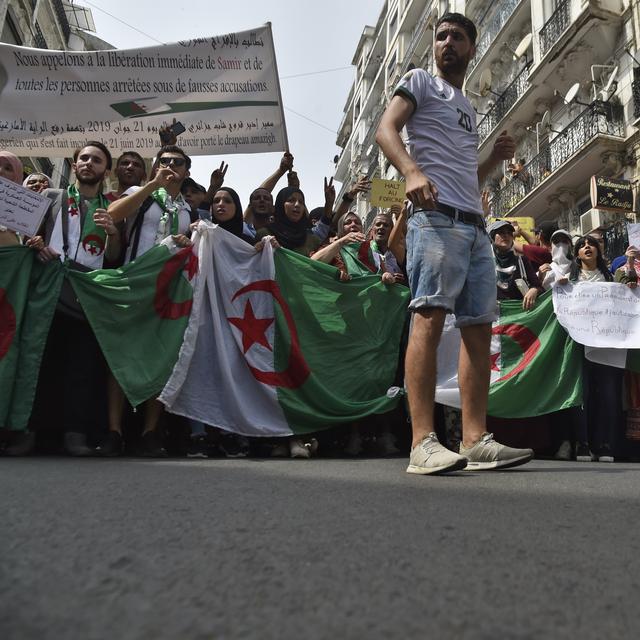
(633, 229)
(224, 90)
(599, 314)
(21, 210)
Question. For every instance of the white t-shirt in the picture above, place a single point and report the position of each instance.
(443, 139)
(149, 229)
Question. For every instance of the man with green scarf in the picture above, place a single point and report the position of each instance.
(80, 232)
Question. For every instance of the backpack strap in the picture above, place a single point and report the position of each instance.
(137, 226)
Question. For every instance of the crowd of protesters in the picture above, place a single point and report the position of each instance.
(91, 416)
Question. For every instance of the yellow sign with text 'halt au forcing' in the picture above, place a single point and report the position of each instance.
(385, 193)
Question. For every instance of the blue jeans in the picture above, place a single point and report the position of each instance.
(450, 265)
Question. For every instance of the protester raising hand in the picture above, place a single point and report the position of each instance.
(217, 177)
(329, 197)
(167, 134)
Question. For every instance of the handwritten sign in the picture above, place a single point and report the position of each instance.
(21, 210)
(385, 193)
(611, 195)
(224, 90)
(599, 314)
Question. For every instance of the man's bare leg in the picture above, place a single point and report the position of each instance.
(420, 369)
(474, 373)
(153, 409)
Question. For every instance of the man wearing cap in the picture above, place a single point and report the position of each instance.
(537, 249)
(195, 195)
(449, 259)
(516, 278)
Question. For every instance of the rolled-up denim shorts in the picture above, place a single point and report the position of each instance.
(450, 265)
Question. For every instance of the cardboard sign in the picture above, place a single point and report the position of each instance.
(21, 210)
(611, 195)
(526, 223)
(385, 193)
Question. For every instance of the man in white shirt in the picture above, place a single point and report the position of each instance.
(449, 257)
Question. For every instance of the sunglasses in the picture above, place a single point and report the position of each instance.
(178, 162)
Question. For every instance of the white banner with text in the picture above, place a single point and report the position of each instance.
(599, 314)
(223, 90)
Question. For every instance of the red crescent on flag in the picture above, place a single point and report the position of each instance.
(164, 306)
(7, 324)
(97, 241)
(297, 370)
(525, 339)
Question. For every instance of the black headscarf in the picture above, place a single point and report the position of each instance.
(288, 233)
(236, 224)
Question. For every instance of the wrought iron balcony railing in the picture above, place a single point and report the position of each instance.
(555, 26)
(492, 29)
(61, 14)
(597, 118)
(635, 92)
(417, 33)
(503, 104)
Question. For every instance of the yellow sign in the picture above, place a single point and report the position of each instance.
(385, 193)
(525, 223)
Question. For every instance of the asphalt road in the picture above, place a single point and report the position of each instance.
(334, 549)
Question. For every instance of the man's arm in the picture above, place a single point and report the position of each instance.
(361, 185)
(521, 233)
(503, 148)
(286, 164)
(421, 191)
(128, 205)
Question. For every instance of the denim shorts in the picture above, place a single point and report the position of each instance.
(450, 265)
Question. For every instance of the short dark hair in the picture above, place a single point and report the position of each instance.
(134, 154)
(463, 21)
(172, 148)
(99, 145)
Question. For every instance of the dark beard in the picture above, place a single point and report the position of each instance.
(90, 182)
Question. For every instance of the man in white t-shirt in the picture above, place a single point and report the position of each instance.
(153, 212)
(449, 258)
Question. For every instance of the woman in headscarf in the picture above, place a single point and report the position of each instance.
(11, 169)
(37, 182)
(291, 227)
(226, 211)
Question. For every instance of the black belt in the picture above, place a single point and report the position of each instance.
(468, 217)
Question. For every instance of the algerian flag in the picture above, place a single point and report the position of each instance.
(536, 368)
(277, 345)
(139, 314)
(28, 294)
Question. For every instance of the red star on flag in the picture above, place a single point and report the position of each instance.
(494, 361)
(253, 329)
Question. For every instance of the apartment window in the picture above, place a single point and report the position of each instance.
(356, 110)
(391, 67)
(393, 23)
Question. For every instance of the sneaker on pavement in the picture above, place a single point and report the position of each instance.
(583, 453)
(489, 454)
(233, 445)
(430, 457)
(297, 449)
(75, 444)
(111, 446)
(605, 454)
(386, 445)
(198, 447)
(22, 443)
(152, 446)
(564, 451)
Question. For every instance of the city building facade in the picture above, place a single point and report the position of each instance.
(561, 76)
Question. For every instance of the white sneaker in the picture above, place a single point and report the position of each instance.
(297, 449)
(489, 454)
(429, 457)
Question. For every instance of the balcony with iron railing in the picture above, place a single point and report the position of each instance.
(599, 118)
(555, 26)
(61, 14)
(493, 27)
(503, 104)
(418, 32)
(635, 92)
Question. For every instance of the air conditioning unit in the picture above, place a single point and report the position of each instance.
(597, 219)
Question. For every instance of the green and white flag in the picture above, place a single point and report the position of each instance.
(139, 314)
(29, 291)
(277, 345)
(536, 368)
